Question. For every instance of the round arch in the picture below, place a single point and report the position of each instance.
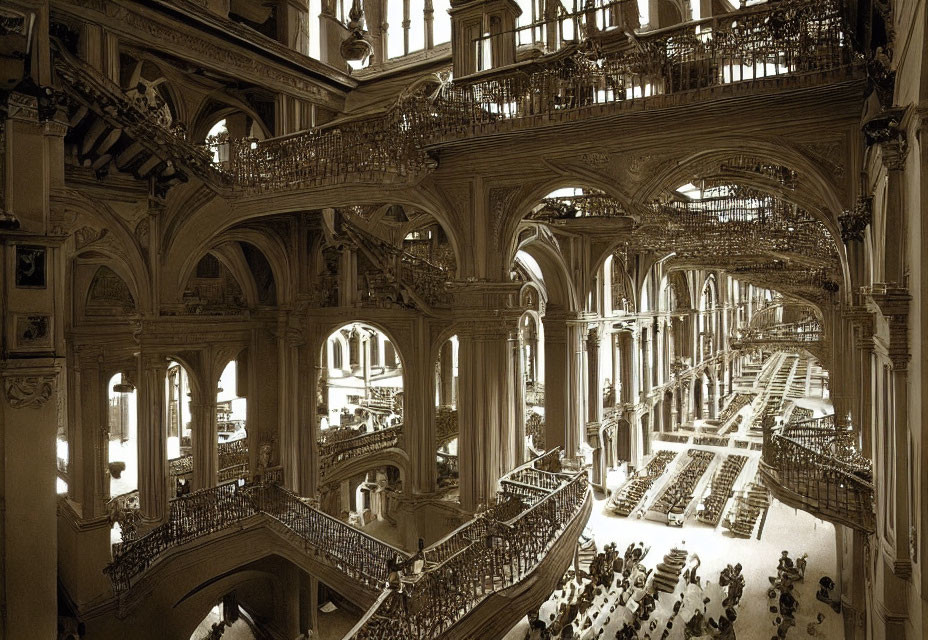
(558, 286)
(513, 217)
(197, 221)
(684, 169)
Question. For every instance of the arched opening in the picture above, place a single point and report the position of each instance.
(179, 417)
(446, 414)
(227, 619)
(231, 423)
(362, 393)
(122, 415)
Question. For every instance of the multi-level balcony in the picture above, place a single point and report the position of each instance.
(764, 48)
(813, 465)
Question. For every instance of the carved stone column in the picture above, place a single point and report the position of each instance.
(487, 398)
(446, 375)
(293, 397)
(885, 131)
(152, 439)
(28, 424)
(556, 382)
(89, 442)
(893, 304)
(419, 410)
(594, 391)
(205, 446)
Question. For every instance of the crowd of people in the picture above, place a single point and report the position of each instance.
(618, 598)
(783, 596)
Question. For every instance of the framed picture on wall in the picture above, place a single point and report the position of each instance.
(32, 332)
(30, 268)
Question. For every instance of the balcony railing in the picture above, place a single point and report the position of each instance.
(354, 553)
(768, 40)
(494, 551)
(792, 37)
(332, 454)
(815, 467)
(233, 462)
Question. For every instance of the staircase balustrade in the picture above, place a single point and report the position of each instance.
(484, 556)
(199, 514)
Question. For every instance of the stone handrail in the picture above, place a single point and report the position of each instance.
(823, 484)
(485, 556)
(334, 453)
(199, 514)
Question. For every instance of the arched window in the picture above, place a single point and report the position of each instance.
(336, 354)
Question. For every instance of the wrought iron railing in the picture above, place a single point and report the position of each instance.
(194, 516)
(768, 40)
(233, 462)
(764, 41)
(332, 454)
(486, 555)
(803, 460)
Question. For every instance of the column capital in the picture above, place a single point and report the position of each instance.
(855, 222)
(885, 129)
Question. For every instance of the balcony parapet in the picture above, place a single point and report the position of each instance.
(233, 462)
(812, 466)
(757, 43)
(337, 452)
(764, 44)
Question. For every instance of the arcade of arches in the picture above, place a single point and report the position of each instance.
(483, 319)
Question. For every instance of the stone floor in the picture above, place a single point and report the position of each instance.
(785, 528)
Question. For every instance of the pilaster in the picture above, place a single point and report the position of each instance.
(152, 439)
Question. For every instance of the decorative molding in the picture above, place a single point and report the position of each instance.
(29, 392)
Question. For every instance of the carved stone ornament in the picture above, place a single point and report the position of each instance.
(854, 223)
(885, 130)
(24, 392)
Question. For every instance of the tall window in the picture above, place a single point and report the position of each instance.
(410, 31)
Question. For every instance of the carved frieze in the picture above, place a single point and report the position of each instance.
(87, 235)
(30, 391)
